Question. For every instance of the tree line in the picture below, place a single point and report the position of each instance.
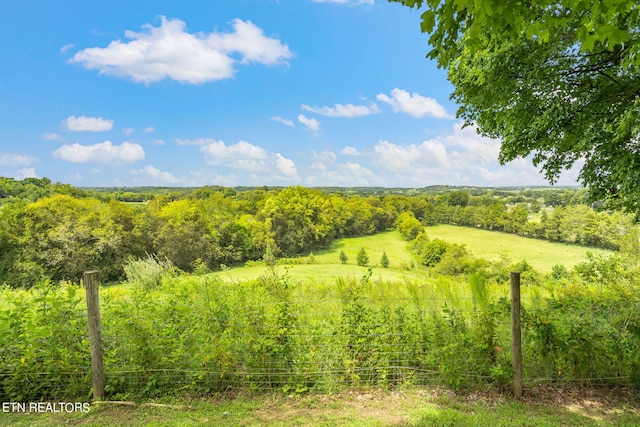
(57, 231)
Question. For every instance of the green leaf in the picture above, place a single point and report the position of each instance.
(428, 21)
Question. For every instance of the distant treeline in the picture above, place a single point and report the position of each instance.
(58, 231)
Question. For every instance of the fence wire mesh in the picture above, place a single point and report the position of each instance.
(205, 336)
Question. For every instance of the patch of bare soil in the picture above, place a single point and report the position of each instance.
(389, 408)
(392, 407)
(596, 403)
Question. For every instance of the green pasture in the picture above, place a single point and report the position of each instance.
(493, 246)
(326, 263)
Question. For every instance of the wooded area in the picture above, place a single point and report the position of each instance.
(57, 231)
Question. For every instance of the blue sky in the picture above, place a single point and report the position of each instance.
(262, 92)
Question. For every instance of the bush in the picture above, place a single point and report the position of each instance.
(528, 274)
(456, 261)
(343, 257)
(256, 263)
(559, 271)
(430, 252)
(149, 272)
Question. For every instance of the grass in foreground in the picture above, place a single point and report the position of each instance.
(418, 408)
(492, 245)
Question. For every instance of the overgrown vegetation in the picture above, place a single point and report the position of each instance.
(443, 319)
(167, 334)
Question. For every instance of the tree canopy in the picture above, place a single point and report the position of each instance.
(557, 80)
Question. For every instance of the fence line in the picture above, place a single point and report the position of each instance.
(209, 339)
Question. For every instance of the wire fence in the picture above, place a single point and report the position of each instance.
(211, 337)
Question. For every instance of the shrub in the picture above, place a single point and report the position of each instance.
(252, 263)
(528, 274)
(343, 257)
(559, 271)
(431, 252)
(456, 261)
(149, 272)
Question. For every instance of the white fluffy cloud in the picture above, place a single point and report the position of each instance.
(148, 129)
(411, 158)
(285, 166)
(16, 160)
(217, 152)
(170, 51)
(326, 170)
(156, 174)
(460, 157)
(322, 161)
(26, 173)
(128, 131)
(104, 152)
(282, 120)
(347, 174)
(249, 158)
(350, 151)
(87, 124)
(340, 110)
(311, 124)
(414, 104)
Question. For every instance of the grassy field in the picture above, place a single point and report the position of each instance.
(418, 408)
(327, 266)
(491, 245)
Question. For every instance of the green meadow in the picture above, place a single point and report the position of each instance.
(326, 264)
(493, 246)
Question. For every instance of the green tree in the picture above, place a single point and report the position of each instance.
(62, 236)
(362, 258)
(184, 234)
(429, 252)
(408, 225)
(558, 80)
(343, 257)
(234, 243)
(458, 198)
(516, 219)
(384, 260)
(301, 219)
